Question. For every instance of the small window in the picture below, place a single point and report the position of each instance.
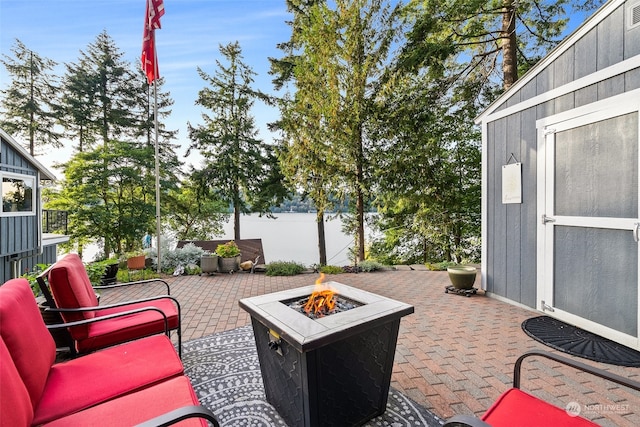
(18, 195)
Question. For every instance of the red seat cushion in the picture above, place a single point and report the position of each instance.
(86, 381)
(71, 288)
(27, 338)
(121, 329)
(15, 403)
(137, 407)
(515, 407)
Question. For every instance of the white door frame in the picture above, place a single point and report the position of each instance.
(546, 128)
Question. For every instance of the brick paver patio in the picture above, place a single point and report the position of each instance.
(455, 354)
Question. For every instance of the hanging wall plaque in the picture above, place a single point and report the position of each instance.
(512, 183)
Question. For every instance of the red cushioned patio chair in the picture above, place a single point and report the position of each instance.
(35, 390)
(518, 408)
(68, 290)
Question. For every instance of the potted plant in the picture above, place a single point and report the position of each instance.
(209, 262)
(228, 257)
(136, 260)
(462, 276)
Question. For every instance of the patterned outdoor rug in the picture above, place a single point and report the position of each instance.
(578, 342)
(225, 373)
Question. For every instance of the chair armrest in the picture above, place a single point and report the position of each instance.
(102, 318)
(180, 414)
(119, 285)
(117, 304)
(610, 376)
(465, 421)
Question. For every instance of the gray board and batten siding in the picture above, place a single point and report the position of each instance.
(598, 60)
(20, 235)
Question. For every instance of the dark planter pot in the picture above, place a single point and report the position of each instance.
(110, 274)
(209, 263)
(462, 276)
(228, 265)
(136, 262)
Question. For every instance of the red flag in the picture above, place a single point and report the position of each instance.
(155, 10)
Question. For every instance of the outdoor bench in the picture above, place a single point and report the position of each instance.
(122, 385)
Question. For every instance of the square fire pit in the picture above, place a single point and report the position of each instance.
(330, 370)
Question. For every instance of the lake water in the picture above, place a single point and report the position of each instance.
(289, 237)
(294, 237)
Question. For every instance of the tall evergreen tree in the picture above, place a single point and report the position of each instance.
(28, 104)
(427, 174)
(238, 166)
(305, 156)
(109, 186)
(499, 38)
(343, 51)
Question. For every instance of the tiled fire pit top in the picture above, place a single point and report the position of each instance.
(307, 334)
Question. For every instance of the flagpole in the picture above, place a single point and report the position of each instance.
(153, 13)
(157, 158)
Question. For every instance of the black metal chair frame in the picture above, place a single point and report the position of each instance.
(470, 421)
(44, 288)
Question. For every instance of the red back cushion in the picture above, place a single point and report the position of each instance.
(26, 337)
(71, 288)
(15, 405)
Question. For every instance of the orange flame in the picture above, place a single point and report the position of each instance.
(322, 300)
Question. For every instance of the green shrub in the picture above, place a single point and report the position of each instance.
(331, 269)
(369, 266)
(31, 277)
(284, 268)
(188, 254)
(228, 250)
(192, 270)
(95, 270)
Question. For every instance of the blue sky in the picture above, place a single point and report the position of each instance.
(191, 33)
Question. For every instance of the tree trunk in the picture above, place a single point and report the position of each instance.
(360, 232)
(236, 221)
(509, 44)
(322, 244)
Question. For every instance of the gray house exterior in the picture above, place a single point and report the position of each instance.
(560, 197)
(22, 241)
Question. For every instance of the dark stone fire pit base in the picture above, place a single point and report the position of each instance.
(344, 383)
(332, 371)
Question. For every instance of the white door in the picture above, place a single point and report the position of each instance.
(589, 219)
